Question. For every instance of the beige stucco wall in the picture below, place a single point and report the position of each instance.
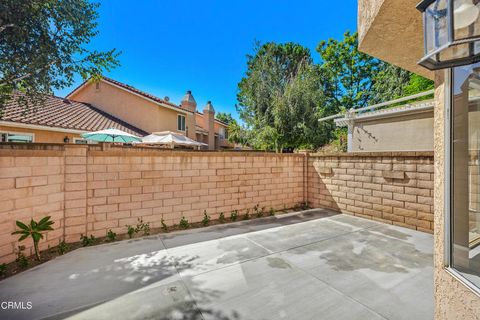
(130, 108)
(391, 30)
(412, 132)
(42, 136)
(453, 300)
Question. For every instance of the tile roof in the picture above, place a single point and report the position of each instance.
(134, 90)
(64, 113)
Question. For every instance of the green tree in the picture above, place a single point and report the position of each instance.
(279, 97)
(225, 117)
(43, 45)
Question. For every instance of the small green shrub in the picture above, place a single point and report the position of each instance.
(271, 212)
(247, 215)
(111, 236)
(164, 226)
(3, 269)
(86, 241)
(142, 227)
(206, 218)
(221, 218)
(130, 231)
(184, 224)
(234, 215)
(22, 260)
(35, 231)
(62, 247)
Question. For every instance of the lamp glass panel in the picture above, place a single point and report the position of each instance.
(466, 20)
(436, 26)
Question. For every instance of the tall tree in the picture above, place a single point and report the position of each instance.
(43, 45)
(349, 72)
(279, 96)
(225, 117)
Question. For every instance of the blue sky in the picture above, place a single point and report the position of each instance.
(169, 47)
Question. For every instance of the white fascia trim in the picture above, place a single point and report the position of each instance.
(379, 115)
(134, 93)
(39, 127)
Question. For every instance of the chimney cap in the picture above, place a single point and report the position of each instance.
(188, 97)
(209, 107)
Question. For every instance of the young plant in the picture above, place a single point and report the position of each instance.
(3, 269)
(164, 226)
(111, 236)
(130, 231)
(234, 215)
(22, 260)
(184, 224)
(206, 218)
(271, 212)
(62, 248)
(221, 218)
(142, 227)
(86, 241)
(35, 231)
(247, 215)
(256, 211)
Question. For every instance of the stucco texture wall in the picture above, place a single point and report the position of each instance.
(453, 300)
(42, 136)
(128, 107)
(401, 133)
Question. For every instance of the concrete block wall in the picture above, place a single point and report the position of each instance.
(126, 184)
(32, 185)
(391, 187)
(89, 189)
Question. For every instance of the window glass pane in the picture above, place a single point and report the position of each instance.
(466, 172)
(16, 137)
(181, 123)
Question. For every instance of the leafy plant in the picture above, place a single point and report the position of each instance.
(271, 212)
(221, 218)
(164, 226)
(86, 241)
(130, 231)
(247, 215)
(22, 260)
(62, 248)
(234, 215)
(206, 218)
(256, 211)
(35, 231)
(111, 236)
(142, 227)
(184, 224)
(3, 269)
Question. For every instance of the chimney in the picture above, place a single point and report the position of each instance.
(188, 102)
(209, 117)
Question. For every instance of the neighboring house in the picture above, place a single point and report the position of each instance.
(107, 103)
(403, 128)
(56, 120)
(153, 114)
(393, 31)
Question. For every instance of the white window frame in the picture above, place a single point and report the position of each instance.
(82, 139)
(184, 123)
(19, 133)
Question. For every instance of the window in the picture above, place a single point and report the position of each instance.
(465, 170)
(181, 123)
(83, 141)
(16, 137)
(221, 133)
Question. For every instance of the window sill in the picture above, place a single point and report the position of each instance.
(464, 281)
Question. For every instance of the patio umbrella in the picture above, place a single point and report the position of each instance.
(171, 139)
(111, 135)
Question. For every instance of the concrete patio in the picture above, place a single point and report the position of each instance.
(312, 265)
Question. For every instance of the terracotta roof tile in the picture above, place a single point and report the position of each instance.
(63, 113)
